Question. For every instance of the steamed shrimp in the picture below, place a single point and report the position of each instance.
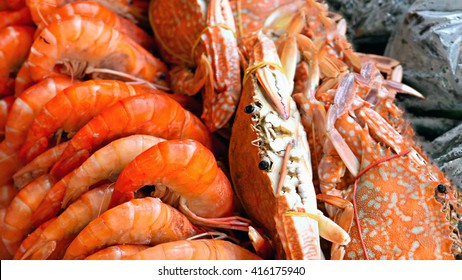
(106, 163)
(11, 4)
(38, 166)
(31, 239)
(5, 107)
(117, 252)
(69, 223)
(145, 221)
(41, 9)
(150, 114)
(98, 11)
(17, 223)
(15, 42)
(16, 17)
(4, 254)
(78, 46)
(206, 249)
(72, 109)
(185, 167)
(21, 115)
(27, 105)
(7, 193)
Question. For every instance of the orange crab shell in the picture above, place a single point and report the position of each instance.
(398, 213)
(292, 237)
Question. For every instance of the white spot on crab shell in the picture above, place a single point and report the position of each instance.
(417, 230)
(352, 255)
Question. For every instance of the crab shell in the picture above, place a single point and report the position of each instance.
(262, 136)
(397, 210)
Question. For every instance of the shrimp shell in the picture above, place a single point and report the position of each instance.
(21, 115)
(28, 104)
(139, 221)
(17, 222)
(69, 223)
(31, 239)
(41, 9)
(98, 11)
(117, 252)
(106, 163)
(150, 114)
(72, 109)
(38, 166)
(5, 107)
(4, 255)
(15, 42)
(7, 193)
(16, 17)
(186, 167)
(82, 44)
(207, 249)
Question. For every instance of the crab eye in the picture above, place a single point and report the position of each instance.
(441, 188)
(249, 109)
(162, 76)
(265, 164)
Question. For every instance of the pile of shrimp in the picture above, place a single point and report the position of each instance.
(99, 159)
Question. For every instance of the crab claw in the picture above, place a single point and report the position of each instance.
(277, 87)
(270, 74)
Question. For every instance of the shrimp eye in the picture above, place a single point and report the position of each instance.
(249, 109)
(264, 165)
(162, 76)
(441, 188)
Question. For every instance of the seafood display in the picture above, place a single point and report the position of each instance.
(208, 130)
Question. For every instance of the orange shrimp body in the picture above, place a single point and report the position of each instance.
(38, 166)
(117, 252)
(7, 193)
(106, 163)
(41, 9)
(139, 221)
(15, 42)
(11, 4)
(71, 110)
(5, 106)
(27, 105)
(21, 115)
(69, 223)
(187, 168)
(150, 114)
(207, 249)
(4, 255)
(96, 10)
(17, 222)
(16, 17)
(78, 45)
(39, 255)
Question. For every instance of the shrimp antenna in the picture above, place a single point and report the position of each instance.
(127, 76)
